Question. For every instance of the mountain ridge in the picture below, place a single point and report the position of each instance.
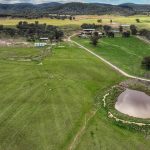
(73, 8)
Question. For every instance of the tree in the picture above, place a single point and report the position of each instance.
(111, 34)
(138, 20)
(94, 38)
(126, 34)
(120, 29)
(70, 18)
(36, 22)
(106, 28)
(10, 31)
(99, 20)
(133, 29)
(90, 26)
(111, 21)
(146, 62)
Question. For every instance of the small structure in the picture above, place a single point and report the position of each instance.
(44, 39)
(116, 32)
(88, 31)
(125, 25)
(40, 44)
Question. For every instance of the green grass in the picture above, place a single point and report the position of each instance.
(106, 135)
(7, 52)
(126, 53)
(85, 19)
(43, 106)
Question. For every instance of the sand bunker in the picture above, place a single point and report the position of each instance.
(134, 103)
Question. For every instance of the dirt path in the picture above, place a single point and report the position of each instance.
(77, 137)
(143, 39)
(107, 62)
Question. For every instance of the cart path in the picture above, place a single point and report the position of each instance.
(79, 134)
(107, 62)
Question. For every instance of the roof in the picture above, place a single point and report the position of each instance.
(115, 31)
(44, 38)
(40, 44)
(88, 29)
(125, 25)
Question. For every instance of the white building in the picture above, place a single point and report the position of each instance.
(40, 44)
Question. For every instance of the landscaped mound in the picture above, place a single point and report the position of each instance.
(134, 103)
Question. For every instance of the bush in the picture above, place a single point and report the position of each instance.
(133, 29)
(99, 20)
(138, 20)
(107, 28)
(94, 38)
(126, 34)
(146, 62)
(90, 26)
(121, 29)
(110, 34)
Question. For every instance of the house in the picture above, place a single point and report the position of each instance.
(88, 31)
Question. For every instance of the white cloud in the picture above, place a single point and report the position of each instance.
(37, 1)
(65, 1)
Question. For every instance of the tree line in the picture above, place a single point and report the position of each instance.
(33, 31)
(94, 38)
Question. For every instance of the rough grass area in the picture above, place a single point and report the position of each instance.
(125, 53)
(10, 52)
(117, 20)
(43, 106)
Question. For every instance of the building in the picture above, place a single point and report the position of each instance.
(40, 44)
(88, 31)
(44, 39)
(125, 25)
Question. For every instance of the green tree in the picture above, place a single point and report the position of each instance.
(133, 29)
(99, 20)
(94, 39)
(138, 20)
(146, 62)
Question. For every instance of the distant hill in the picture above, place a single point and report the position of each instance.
(72, 8)
(136, 7)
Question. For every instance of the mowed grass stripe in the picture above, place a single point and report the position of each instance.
(26, 108)
(47, 104)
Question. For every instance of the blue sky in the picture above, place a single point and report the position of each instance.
(90, 1)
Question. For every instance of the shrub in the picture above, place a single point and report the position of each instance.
(110, 34)
(138, 20)
(146, 62)
(94, 38)
(126, 34)
(106, 28)
(90, 26)
(121, 29)
(133, 29)
(99, 20)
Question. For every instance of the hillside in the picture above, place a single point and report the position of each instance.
(72, 8)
